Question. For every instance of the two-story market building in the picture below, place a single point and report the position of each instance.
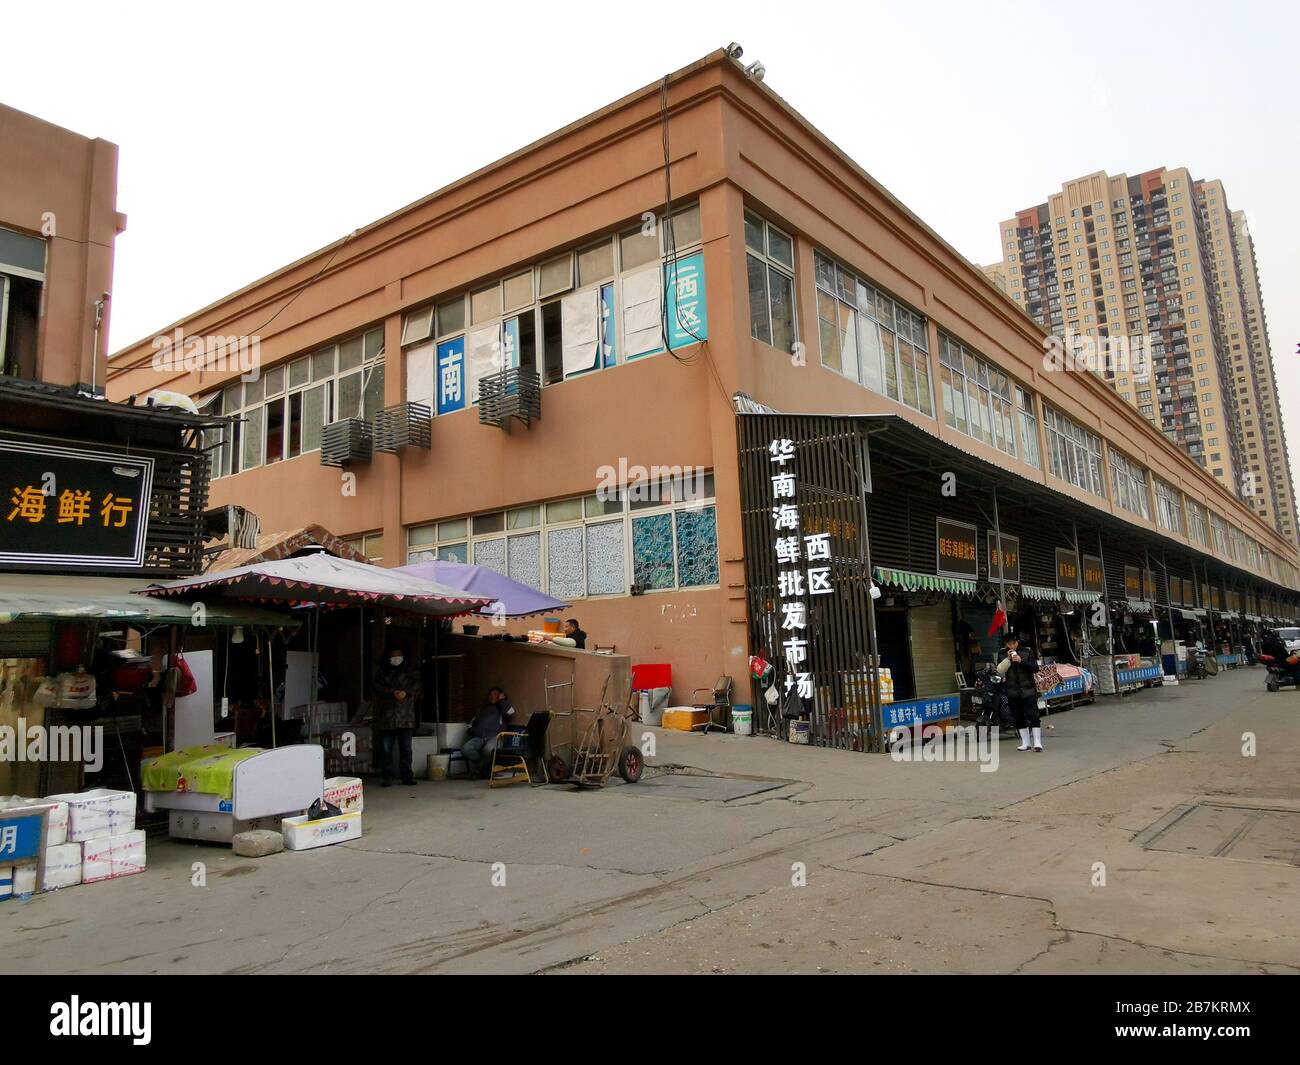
(467, 377)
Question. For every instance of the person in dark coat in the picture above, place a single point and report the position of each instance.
(490, 720)
(1018, 668)
(396, 692)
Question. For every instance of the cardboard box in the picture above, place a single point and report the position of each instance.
(98, 814)
(345, 793)
(110, 857)
(57, 832)
(16, 880)
(301, 834)
(62, 866)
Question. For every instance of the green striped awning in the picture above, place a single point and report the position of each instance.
(1081, 597)
(1038, 591)
(927, 582)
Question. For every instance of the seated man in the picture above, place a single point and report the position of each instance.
(483, 730)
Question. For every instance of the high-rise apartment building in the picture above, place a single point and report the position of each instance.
(1159, 256)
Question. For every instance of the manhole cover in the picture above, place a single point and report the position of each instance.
(716, 789)
(1217, 830)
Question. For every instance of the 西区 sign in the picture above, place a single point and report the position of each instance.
(1067, 568)
(1006, 564)
(955, 549)
(67, 506)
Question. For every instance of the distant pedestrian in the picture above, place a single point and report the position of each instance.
(396, 690)
(1018, 668)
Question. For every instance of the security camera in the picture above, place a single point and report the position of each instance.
(756, 70)
(734, 50)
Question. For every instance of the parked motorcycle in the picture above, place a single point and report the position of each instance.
(1280, 674)
(1198, 666)
(989, 699)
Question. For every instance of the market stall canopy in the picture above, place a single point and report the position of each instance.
(515, 600)
(273, 546)
(916, 582)
(322, 580)
(1038, 591)
(56, 597)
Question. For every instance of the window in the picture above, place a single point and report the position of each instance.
(369, 544)
(22, 277)
(1129, 481)
(281, 414)
(660, 536)
(1196, 523)
(769, 263)
(1074, 453)
(976, 396)
(870, 338)
(1028, 428)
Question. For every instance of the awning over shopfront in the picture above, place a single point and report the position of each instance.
(510, 598)
(918, 582)
(1038, 591)
(55, 597)
(1139, 606)
(322, 580)
(1081, 597)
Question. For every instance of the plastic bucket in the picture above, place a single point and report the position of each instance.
(742, 720)
(439, 764)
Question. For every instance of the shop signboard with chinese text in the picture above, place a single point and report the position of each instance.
(71, 507)
(1094, 576)
(955, 549)
(1067, 568)
(1008, 568)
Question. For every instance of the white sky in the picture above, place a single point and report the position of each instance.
(253, 133)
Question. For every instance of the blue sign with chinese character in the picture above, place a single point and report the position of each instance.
(1138, 676)
(21, 835)
(1070, 686)
(688, 316)
(923, 711)
(449, 382)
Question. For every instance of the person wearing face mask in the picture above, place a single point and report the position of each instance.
(396, 693)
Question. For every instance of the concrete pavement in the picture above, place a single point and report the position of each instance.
(910, 867)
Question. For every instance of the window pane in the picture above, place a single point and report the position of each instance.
(523, 518)
(453, 530)
(519, 290)
(908, 370)
(322, 364)
(652, 551)
(828, 325)
(489, 523)
(274, 431)
(759, 327)
(869, 354)
(564, 510)
(451, 316)
(492, 554)
(254, 391)
(418, 325)
(350, 353)
(606, 568)
(887, 360)
(252, 455)
(686, 227)
(349, 392)
(596, 263)
(293, 432)
(923, 390)
(639, 248)
(485, 304)
(564, 551)
(697, 547)
(315, 411)
(780, 247)
(375, 343)
(556, 276)
(526, 559)
(299, 373)
(848, 330)
(454, 553)
(275, 381)
(374, 397)
(421, 535)
(754, 233)
(782, 289)
(595, 506)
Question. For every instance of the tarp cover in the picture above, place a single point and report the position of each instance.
(510, 598)
(323, 580)
(209, 769)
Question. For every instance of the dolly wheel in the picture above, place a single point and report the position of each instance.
(1272, 684)
(558, 769)
(630, 764)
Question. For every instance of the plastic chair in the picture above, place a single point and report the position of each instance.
(516, 747)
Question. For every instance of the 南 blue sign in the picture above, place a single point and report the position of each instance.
(449, 382)
(21, 835)
(923, 711)
(688, 316)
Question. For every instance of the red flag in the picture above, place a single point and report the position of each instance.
(999, 619)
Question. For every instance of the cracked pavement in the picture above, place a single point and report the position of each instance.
(910, 866)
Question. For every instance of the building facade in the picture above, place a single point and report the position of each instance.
(58, 224)
(1158, 256)
(538, 366)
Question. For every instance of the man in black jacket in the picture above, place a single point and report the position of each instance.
(1018, 669)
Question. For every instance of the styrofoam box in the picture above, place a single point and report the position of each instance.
(300, 834)
(17, 880)
(56, 833)
(62, 866)
(99, 813)
(109, 857)
(345, 793)
(212, 827)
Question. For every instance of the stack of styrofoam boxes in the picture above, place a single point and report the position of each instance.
(62, 859)
(102, 823)
(301, 833)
